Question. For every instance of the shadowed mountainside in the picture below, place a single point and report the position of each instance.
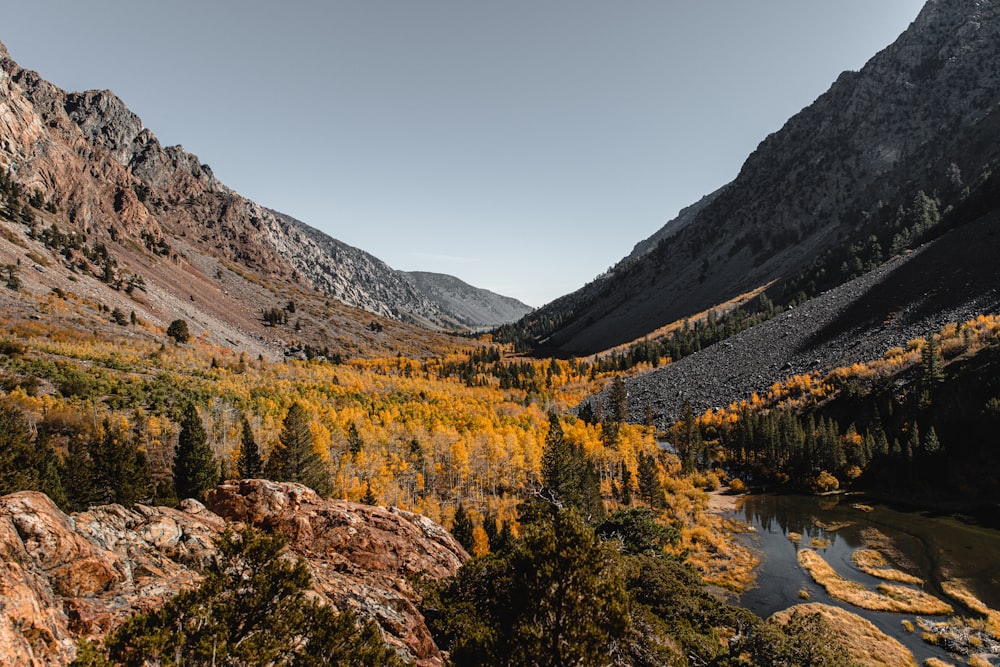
(919, 117)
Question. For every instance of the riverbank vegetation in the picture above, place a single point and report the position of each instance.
(888, 597)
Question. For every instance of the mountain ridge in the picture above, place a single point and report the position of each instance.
(914, 118)
(91, 159)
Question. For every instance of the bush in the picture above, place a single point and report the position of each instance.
(251, 609)
(178, 330)
(824, 482)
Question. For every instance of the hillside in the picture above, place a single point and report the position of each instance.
(952, 279)
(818, 197)
(472, 306)
(96, 188)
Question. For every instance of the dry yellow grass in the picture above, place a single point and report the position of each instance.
(794, 537)
(820, 543)
(959, 590)
(864, 643)
(889, 597)
(934, 662)
(979, 661)
(832, 527)
(871, 561)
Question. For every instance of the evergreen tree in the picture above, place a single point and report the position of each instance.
(294, 458)
(931, 443)
(178, 330)
(556, 598)
(121, 470)
(252, 608)
(687, 437)
(931, 369)
(354, 442)
(249, 464)
(650, 488)
(557, 472)
(25, 463)
(195, 469)
(617, 401)
(500, 537)
(78, 476)
(569, 478)
(626, 485)
(369, 498)
(462, 528)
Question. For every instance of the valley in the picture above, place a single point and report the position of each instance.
(199, 393)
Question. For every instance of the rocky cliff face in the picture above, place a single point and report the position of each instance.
(111, 180)
(923, 108)
(64, 577)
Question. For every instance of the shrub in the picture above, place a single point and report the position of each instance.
(824, 482)
(178, 330)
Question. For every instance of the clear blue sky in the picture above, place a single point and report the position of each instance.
(522, 145)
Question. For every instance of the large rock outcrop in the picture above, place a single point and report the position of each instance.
(63, 577)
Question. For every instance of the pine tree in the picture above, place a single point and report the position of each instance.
(195, 469)
(354, 442)
(462, 528)
(252, 608)
(617, 401)
(294, 458)
(78, 475)
(249, 464)
(569, 478)
(650, 488)
(626, 485)
(687, 437)
(369, 498)
(121, 470)
(25, 463)
(557, 473)
(931, 443)
(931, 369)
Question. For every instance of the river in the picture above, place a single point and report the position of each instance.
(932, 547)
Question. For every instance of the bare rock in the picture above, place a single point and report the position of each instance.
(362, 557)
(63, 577)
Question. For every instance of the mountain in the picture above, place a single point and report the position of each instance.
(82, 165)
(852, 179)
(473, 307)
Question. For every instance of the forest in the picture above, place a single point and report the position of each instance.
(483, 442)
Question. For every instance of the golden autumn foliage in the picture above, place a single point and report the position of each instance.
(419, 434)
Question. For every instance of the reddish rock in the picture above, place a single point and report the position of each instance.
(362, 557)
(68, 576)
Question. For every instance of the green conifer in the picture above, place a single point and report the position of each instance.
(195, 469)
(249, 464)
(294, 458)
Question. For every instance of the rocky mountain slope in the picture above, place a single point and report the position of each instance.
(920, 116)
(952, 279)
(65, 577)
(93, 170)
(472, 306)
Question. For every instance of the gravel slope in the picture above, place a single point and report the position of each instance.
(952, 279)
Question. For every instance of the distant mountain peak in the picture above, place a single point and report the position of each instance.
(474, 307)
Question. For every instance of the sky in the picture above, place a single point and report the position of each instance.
(524, 146)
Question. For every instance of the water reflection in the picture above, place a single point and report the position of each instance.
(934, 548)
